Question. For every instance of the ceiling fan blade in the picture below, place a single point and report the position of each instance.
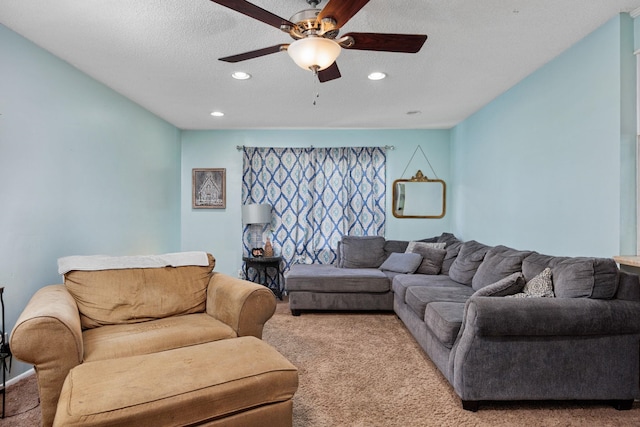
(254, 53)
(329, 73)
(406, 43)
(254, 12)
(341, 11)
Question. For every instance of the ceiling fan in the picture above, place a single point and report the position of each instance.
(315, 30)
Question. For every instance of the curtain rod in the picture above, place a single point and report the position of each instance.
(387, 147)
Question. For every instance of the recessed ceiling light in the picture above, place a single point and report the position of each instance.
(241, 75)
(217, 114)
(377, 76)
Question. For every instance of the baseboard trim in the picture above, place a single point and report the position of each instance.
(21, 376)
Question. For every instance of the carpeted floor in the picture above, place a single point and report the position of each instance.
(365, 369)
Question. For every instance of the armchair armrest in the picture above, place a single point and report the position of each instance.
(499, 316)
(48, 335)
(243, 305)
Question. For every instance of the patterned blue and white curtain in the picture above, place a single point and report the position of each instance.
(317, 195)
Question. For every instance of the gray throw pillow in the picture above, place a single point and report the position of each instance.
(510, 285)
(432, 259)
(406, 263)
(362, 251)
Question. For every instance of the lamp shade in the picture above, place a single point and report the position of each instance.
(256, 213)
(314, 53)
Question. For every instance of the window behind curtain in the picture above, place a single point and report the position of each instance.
(318, 195)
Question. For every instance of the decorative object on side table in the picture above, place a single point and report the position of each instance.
(268, 248)
(257, 252)
(262, 266)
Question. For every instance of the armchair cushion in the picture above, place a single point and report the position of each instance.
(110, 297)
(132, 339)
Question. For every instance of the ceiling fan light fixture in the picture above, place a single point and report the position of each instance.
(314, 53)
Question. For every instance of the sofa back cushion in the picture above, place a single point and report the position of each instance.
(452, 246)
(395, 246)
(577, 277)
(131, 295)
(498, 263)
(362, 251)
(535, 263)
(585, 278)
(467, 262)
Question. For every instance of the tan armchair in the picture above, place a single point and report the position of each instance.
(101, 315)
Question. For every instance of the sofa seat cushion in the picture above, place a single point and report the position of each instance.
(131, 295)
(418, 297)
(115, 341)
(402, 282)
(185, 386)
(329, 278)
(444, 320)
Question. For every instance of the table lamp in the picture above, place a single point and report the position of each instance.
(255, 215)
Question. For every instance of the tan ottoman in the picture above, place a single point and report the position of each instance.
(234, 382)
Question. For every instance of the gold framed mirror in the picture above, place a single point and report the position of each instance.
(419, 197)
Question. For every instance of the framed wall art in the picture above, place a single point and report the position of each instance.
(209, 189)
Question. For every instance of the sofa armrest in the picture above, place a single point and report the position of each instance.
(243, 305)
(48, 335)
(499, 316)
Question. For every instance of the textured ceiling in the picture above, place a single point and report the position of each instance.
(162, 54)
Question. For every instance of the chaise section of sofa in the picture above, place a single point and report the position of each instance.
(357, 281)
(327, 287)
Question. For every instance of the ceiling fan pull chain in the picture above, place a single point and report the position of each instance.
(316, 89)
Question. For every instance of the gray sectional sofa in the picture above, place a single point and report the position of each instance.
(499, 323)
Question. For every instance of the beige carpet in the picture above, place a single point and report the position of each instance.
(366, 370)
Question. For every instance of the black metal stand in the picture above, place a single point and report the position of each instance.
(5, 353)
(261, 265)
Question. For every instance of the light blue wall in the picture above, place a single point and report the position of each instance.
(220, 231)
(550, 164)
(83, 170)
